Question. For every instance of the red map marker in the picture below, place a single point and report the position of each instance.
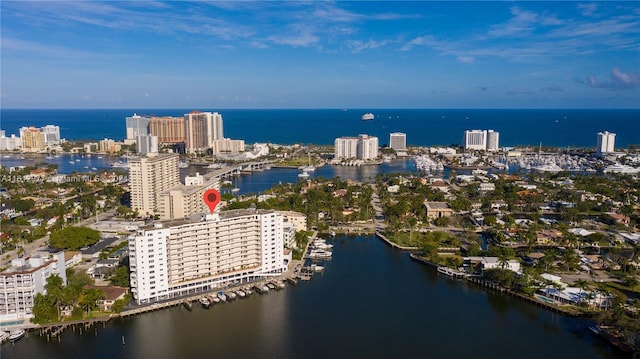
(211, 198)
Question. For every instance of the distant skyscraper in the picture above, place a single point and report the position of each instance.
(398, 141)
(606, 143)
(32, 139)
(169, 130)
(198, 125)
(493, 140)
(363, 147)
(475, 140)
(146, 144)
(137, 126)
(50, 135)
(150, 175)
(214, 127)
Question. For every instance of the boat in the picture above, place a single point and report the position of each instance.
(71, 162)
(183, 164)
(206, 303)
(248, 291)
(16, 335)
(316, 268)
(279, 284)
(215, 166)
(619, 168)
(241, 293)
(119, 165)
(262, 289)
(271, 286)
(215, 299)
(368, 116)
(548, 168)
(304, 174)
(231, 295)
(99, 157)
(4, 336)
(77, 160)
(94, 168)
(222, 296)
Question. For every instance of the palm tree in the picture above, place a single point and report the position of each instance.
(582, 284)
(55, 291)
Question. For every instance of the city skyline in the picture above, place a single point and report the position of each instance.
(320, 55)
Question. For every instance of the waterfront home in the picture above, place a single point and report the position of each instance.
(111, 294)
(575, 296)
(484, 263)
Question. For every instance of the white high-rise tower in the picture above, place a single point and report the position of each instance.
(606, 143)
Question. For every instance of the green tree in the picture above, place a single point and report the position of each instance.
(55, 292)
(120, 277)
(74, 238)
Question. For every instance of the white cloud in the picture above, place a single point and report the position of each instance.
(617, 81)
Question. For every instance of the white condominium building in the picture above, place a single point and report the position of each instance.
(483, 140)
(606, 143)
(20, 283)
(398, 141)
(50, 135)
(148, 176)
(175, 258)
(493, 140)
(227, 145)
(363, 147)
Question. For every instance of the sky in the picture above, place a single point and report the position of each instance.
(319, 54)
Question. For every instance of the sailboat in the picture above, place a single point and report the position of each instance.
(235, 186)
(309, 167)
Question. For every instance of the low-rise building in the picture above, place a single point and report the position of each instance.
(437, 209)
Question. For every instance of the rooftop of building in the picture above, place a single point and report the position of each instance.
(200, 217)
(26, 265)
(436, 205)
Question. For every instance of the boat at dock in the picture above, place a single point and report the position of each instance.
(248, 291)
(271, 286)
(319, 254)
(231, 295)
(262, 288)
(316, 268)
(16, 335)
(206, 303)
(4, 336)
(241, 293)
(222, 296)
(215, 299)
(279, 284)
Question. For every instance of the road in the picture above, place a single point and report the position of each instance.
(32, 247)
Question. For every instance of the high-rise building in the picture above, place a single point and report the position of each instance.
(32, 139)
(367, 147)
(475, 140)
(214, 127)
(150, 175)
(146, 144)
(50, 135)
(137, 126)
(398, 141)
(196, 132)
(170, 130)
(606, 143)
(184, 200)
(363, 147)
(493, 140)
(20, 283)
(108, 145)
(175, 258)
(10, 143)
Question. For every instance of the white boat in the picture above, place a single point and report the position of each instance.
(100, 157)
(368, 116)
(319, 253)
(323, 246)
(215, 299)
(183, 164)
(248, 291)
(94, 168)
(71, 162)
(235, 189)
(231, 295)
(619, 168)
(206, 303)
(548, 168)
(119, 165)
(271, 286)
(222, 296)
(279, 284)
(215, 165)
(240, 293)
(4, 336)
(316, 268)
(304, 174)
(16, 335)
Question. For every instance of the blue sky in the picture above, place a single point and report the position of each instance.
(293, 54)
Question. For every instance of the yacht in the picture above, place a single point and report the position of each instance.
(222, 296)
(16, 335)
(231, 295)
(368, 116)
(316, 268)
(119, 165)
(618, 168)
(206, 303)
(241, 293)
(304, 174)
(183, 164)
(548, 168)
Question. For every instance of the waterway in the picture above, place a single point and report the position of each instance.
(370, 302)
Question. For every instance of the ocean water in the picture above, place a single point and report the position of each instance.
(424, 127)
